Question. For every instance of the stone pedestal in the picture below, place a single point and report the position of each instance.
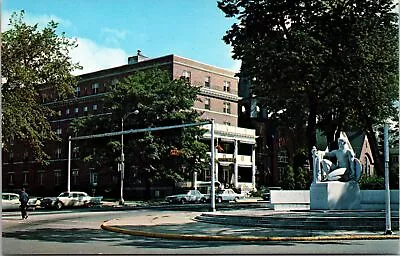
(335, 195)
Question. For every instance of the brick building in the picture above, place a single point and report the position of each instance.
(218, 100)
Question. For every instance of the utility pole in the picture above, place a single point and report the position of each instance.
(122, 165)
(212, 167)
(387, 190)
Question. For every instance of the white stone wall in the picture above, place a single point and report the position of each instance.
(300, 199)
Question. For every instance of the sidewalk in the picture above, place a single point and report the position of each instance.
(181, 225)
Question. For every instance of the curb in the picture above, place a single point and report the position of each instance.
(104, 226)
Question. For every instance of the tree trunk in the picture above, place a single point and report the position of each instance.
(147, 193)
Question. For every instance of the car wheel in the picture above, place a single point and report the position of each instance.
(236, 199)
(203, 200)
(59, 205)
(219, 199)
(183, 201)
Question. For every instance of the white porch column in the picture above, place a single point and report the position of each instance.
(253, 166)
(235, 165)
(216, 164)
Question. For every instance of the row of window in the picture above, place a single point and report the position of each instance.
(57, 177)
(85, 109)
(57, 154)
(95, 89)
(227, 105)
(207, 81)
(25, 156)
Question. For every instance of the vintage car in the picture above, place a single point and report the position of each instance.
(188, 196)
(10, 201)
(72, 199)
(227, 195)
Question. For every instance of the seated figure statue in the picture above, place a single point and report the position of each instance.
(346, 168)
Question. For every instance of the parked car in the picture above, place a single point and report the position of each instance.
(188, 196)
(72, 199)
(34, 203)
(48, 202)
(227, 195)
(10, 201)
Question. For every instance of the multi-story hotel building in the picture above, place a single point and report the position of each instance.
(218, 100)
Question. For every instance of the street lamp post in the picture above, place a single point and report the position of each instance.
(122, 166)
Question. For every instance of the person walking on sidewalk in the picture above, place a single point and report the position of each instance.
(24, 198)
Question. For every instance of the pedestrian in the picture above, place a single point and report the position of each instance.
(24, 198)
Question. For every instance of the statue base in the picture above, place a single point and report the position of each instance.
(335, 195)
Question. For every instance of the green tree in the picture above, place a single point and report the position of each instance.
(331, 61)
(288, 180)
(160, 101)
(32, 59)
(301, 179)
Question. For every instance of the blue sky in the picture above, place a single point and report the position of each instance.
(109, 31)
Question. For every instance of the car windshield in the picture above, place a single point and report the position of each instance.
(64, 194)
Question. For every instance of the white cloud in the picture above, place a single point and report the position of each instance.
(236, 66)
(113, 36)
(120, 34)
(93, 57)
(236, 63)
(33, 19)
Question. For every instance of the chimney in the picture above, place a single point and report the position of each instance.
(138, 58)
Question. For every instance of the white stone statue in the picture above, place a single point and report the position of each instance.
(346, 168)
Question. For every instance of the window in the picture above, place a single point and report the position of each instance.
(207, 103)
(10, 178)
(11, 157)
(93, 177)
(57, 153)
(75, 152)
(227, 107)
(67, 111)
(95, 88)
(207, 81)
(282, 157)
(57, 177)
(75, 176)
(41, 177)
(187, 74)
(227, 123)
(227, 86)
(94, 107)
(12, 139)
(77, 91)
(76, 110)
(59, 131)
(367, 169)
(59, 113)
(25, 178)
(26, 156)
(85, 109)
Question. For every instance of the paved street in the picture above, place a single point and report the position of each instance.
(78, 231)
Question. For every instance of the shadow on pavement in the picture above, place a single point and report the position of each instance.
(90, 236)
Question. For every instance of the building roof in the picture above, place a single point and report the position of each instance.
(145, 62)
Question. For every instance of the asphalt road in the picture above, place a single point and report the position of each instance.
(78, 231)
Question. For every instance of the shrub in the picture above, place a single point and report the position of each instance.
(372, 182)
